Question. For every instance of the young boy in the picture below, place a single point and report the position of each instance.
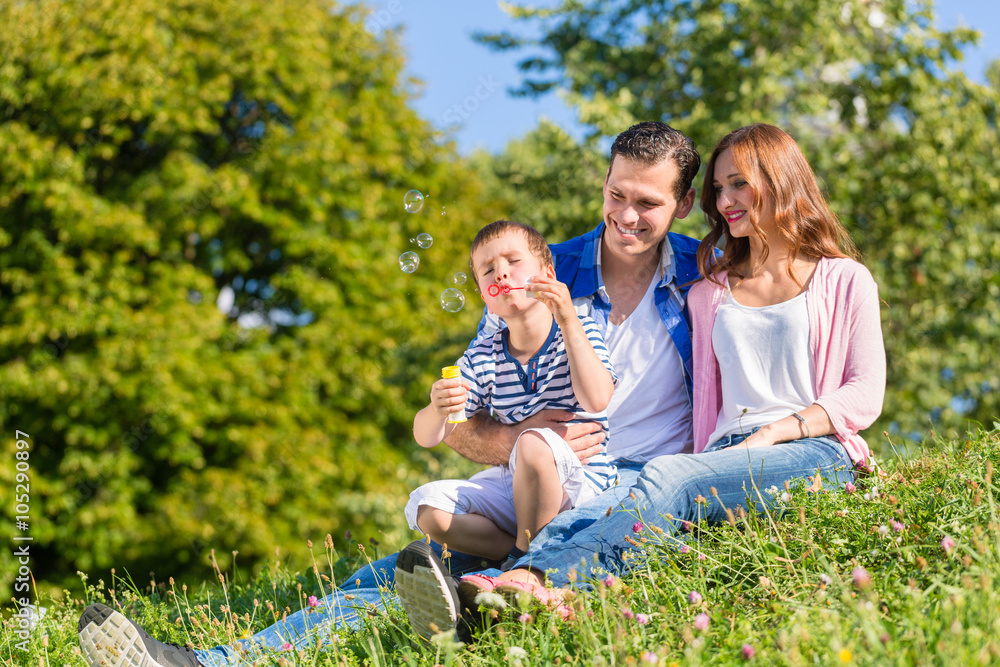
(546, 357)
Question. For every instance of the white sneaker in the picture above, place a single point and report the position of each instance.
(427, 591)
(108, 639)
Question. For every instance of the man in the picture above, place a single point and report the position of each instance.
(629, 274)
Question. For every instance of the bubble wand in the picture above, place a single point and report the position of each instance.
(530, 289)
(494, 289)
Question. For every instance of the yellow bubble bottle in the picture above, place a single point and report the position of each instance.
(448, 373)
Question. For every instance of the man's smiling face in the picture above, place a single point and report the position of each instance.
(640, 206)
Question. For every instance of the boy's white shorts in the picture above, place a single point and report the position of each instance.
(490, 493)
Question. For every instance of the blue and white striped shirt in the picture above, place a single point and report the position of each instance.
(513, 392)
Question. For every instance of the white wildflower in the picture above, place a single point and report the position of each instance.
(491, 600)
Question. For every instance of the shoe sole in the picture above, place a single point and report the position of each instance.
(114, 642)
(426, 591)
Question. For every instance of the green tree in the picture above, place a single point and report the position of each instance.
(158, 157)
(547, 180)
(905, 144)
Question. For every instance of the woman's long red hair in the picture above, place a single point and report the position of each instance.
(770, 160)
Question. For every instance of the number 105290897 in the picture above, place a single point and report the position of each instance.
(22, 490)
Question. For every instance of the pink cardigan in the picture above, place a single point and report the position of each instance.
(845, 336)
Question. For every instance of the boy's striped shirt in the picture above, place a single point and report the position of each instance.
(512, 392)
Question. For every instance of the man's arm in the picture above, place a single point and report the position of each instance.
(484, 440)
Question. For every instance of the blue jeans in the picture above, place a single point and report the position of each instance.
(591, 539)
(587, 537)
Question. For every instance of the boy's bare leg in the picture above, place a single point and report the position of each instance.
(538, 491)
(469, 533)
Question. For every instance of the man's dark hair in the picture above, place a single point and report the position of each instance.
(651, 143)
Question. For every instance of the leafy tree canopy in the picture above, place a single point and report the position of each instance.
(547, 180)
(160, 157)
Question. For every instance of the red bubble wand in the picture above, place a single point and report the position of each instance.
(494, 289)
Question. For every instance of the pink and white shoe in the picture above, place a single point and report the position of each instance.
(475, 590)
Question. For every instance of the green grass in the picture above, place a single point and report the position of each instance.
(833, 579)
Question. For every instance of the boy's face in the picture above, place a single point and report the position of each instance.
(507, 261)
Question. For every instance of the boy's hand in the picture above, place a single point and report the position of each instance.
(555, 296)
(448, 396)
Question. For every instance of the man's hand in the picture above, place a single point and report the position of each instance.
(486, 441)
(584, 438)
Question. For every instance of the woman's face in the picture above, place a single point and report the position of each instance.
(734, 197)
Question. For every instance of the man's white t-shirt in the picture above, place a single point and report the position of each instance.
(650, 412)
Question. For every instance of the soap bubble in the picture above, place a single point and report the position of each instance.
(413, 201)
(452, 300)
(425, 240)
(442, 210)
(459, 278)
(409, 261)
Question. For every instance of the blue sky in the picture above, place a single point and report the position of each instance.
(465, 85)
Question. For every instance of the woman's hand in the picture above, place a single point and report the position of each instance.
(763, 437)
(813, 424)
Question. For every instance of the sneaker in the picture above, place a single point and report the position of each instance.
(427, 591)
(108, 639)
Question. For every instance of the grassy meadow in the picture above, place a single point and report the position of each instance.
(902, 570)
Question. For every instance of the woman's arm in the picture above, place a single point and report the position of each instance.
(852, 387)
(853, 398)
(815, 423)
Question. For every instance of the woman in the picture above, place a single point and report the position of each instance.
(786, 332)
